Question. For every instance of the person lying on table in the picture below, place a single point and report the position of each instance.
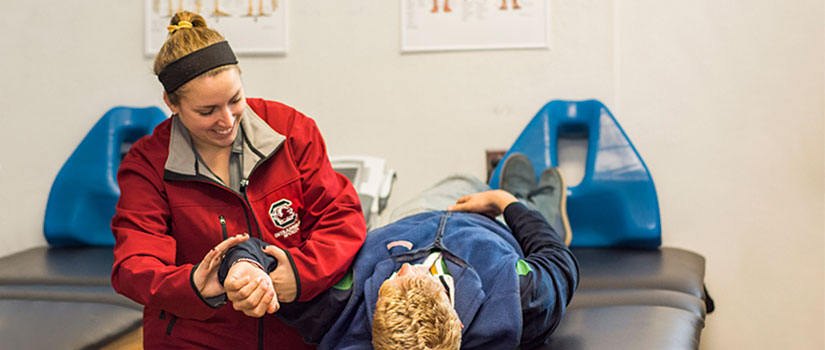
(435, 280)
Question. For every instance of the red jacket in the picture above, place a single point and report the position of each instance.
(172, 211)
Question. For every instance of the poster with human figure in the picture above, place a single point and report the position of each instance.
(252, 26)
(437, 25)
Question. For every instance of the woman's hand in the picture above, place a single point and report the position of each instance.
(250, 290)
(205, 276)
(283, 277)
(490, 203)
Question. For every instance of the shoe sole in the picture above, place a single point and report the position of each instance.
(505, 174)
(568, 233)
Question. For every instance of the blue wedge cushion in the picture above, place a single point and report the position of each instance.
(615, 205)
(84, 193)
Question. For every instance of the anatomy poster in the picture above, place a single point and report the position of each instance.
(250, 26)
(433, 25)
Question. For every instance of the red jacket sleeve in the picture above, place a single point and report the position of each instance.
(333, 214)
(144, 255)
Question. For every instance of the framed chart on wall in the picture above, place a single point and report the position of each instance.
(438, 25)
(252, 26)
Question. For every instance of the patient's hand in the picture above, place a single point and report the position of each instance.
(250, 289)
(490, 203)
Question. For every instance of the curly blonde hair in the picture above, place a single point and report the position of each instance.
(413, 314)
(184, 41)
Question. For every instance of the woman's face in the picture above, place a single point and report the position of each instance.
(211, 108)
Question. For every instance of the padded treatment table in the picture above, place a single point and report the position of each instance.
(85, 266)
(630, 327)
(664, 268)
(48, 324)
(627, 299)
(62, 298)
(630, 297)
(635, 299)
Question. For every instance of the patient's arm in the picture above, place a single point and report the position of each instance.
(250, 289)
(244, 273)
(490, 203)
(548, 276)
(239, 269)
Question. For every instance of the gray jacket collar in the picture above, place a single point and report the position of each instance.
(260, 142)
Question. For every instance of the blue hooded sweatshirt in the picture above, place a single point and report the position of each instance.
(504, 299)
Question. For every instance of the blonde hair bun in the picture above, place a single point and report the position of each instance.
(180, 43)
(195, 19)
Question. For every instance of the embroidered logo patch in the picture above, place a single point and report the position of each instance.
(284, 217)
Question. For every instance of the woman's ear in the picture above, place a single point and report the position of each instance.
(169, 104)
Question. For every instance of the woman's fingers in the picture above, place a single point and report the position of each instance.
(207, 259)
(230, 242)
(205, 275)
(214, 259)
(276, 253)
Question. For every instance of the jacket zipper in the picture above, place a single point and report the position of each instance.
(261, 333)
(246, 208)
(244, 184)
(223, 227)
(172, 320)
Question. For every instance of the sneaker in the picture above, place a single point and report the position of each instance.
(550, 199)
(517, 175)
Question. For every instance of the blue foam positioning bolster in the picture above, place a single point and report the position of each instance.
(615, 205)
(84, 193)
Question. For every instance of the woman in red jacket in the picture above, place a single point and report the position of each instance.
(224, 166)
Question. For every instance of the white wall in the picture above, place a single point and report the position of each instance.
(724, 100)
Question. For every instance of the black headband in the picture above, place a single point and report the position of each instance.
(194, 64)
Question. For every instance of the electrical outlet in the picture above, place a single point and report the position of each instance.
(493, 157)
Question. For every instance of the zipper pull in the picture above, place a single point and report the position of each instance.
(244, 183)
(223, 227)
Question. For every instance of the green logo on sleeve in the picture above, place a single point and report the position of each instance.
(523, 268)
